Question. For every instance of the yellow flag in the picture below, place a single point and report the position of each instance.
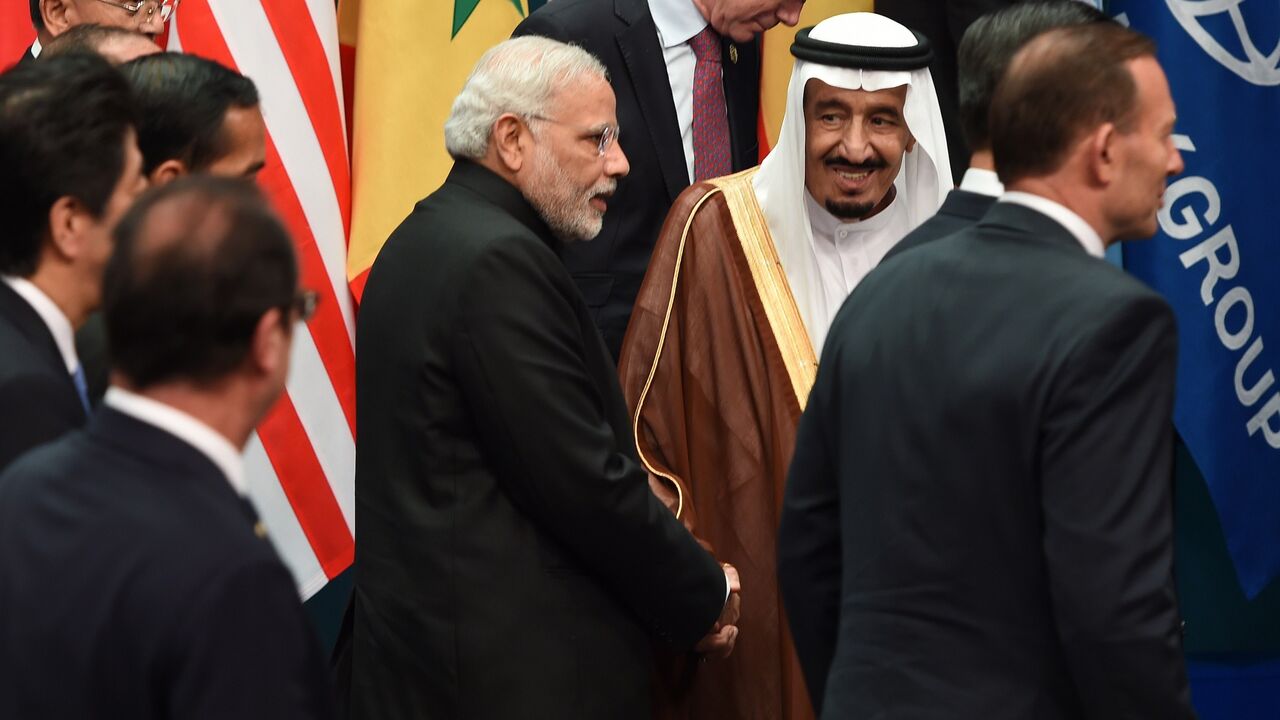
(775, 72)
(411, 58)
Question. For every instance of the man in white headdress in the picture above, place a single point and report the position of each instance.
(745, 278)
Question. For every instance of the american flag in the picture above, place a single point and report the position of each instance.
(301, 461)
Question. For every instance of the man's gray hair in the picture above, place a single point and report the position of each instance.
(517, 76)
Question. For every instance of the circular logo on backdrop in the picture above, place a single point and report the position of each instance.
(1254, 67)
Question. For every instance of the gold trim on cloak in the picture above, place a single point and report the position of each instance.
(770, 283)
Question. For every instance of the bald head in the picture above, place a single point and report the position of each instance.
(1058, 88)
(198, 263)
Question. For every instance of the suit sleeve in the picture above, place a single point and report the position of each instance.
(31, 418)
(541, 419)
(1108, 515)
(809, 562)
(249, 652)
(540, 24)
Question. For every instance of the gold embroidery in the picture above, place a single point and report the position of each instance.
(771, 282)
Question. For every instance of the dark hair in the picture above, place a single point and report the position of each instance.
(989, 44)
(197, 262)
(182, 101)
(89, 37)
(36, 19)
(1063, 84)
(63, 123)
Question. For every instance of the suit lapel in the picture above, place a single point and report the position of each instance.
(647, 71)
(741, 63)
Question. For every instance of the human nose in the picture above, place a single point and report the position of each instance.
(615, 161)
(1176, 165)
(789, 12)
(856, 143)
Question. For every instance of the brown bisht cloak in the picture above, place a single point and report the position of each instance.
(715, 368)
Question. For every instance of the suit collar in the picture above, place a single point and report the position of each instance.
(967, 205)
(59, 327)
(1025, 221)
(493, 189)
(158, 447)
(30, 325)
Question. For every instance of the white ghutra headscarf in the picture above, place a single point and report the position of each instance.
(855, 51)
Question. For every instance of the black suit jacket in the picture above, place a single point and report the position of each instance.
(960, 210)
(978, 519)
(38, 400)
(622, 34)
(133, 585)
(512, 561)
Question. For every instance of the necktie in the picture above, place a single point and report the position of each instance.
(82, 387)
(711, 153)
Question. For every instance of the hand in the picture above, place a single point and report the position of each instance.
(720, 641)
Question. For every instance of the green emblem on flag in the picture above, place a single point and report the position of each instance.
(462, 10)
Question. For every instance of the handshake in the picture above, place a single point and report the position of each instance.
(719, 642)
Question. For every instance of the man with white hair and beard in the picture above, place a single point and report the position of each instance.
(745, 278)
(512, 561)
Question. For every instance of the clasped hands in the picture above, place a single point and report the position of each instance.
(719, 642)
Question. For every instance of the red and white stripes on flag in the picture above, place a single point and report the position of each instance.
(301, 462)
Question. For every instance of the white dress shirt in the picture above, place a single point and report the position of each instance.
(186, 428)
(982, 182)
(1079, 229)
(678, 21)
(54, 319)
(847, 251)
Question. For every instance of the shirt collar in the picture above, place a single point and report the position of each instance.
(59, 326)
(203, 438)
(677, 20)
(1081, 230)
(982, 182)
(825, 224)
(36, 47)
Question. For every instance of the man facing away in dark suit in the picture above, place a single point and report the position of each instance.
(984, 53)
(686, 74)
(135, 578)
(52, 18)
(978, 520)
(72, 167)
(512, 561)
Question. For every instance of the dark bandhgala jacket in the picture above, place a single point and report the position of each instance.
(38, 400)
(978, 520)
(621, 33)
(512, 561)
(133, 584)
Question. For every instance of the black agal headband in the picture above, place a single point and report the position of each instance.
(862, 57)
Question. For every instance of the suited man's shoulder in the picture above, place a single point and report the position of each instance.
(576, 19)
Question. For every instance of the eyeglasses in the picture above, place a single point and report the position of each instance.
(165, 7)
(304, 304)
(606, 135)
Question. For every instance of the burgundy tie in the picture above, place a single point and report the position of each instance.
(711, 154)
